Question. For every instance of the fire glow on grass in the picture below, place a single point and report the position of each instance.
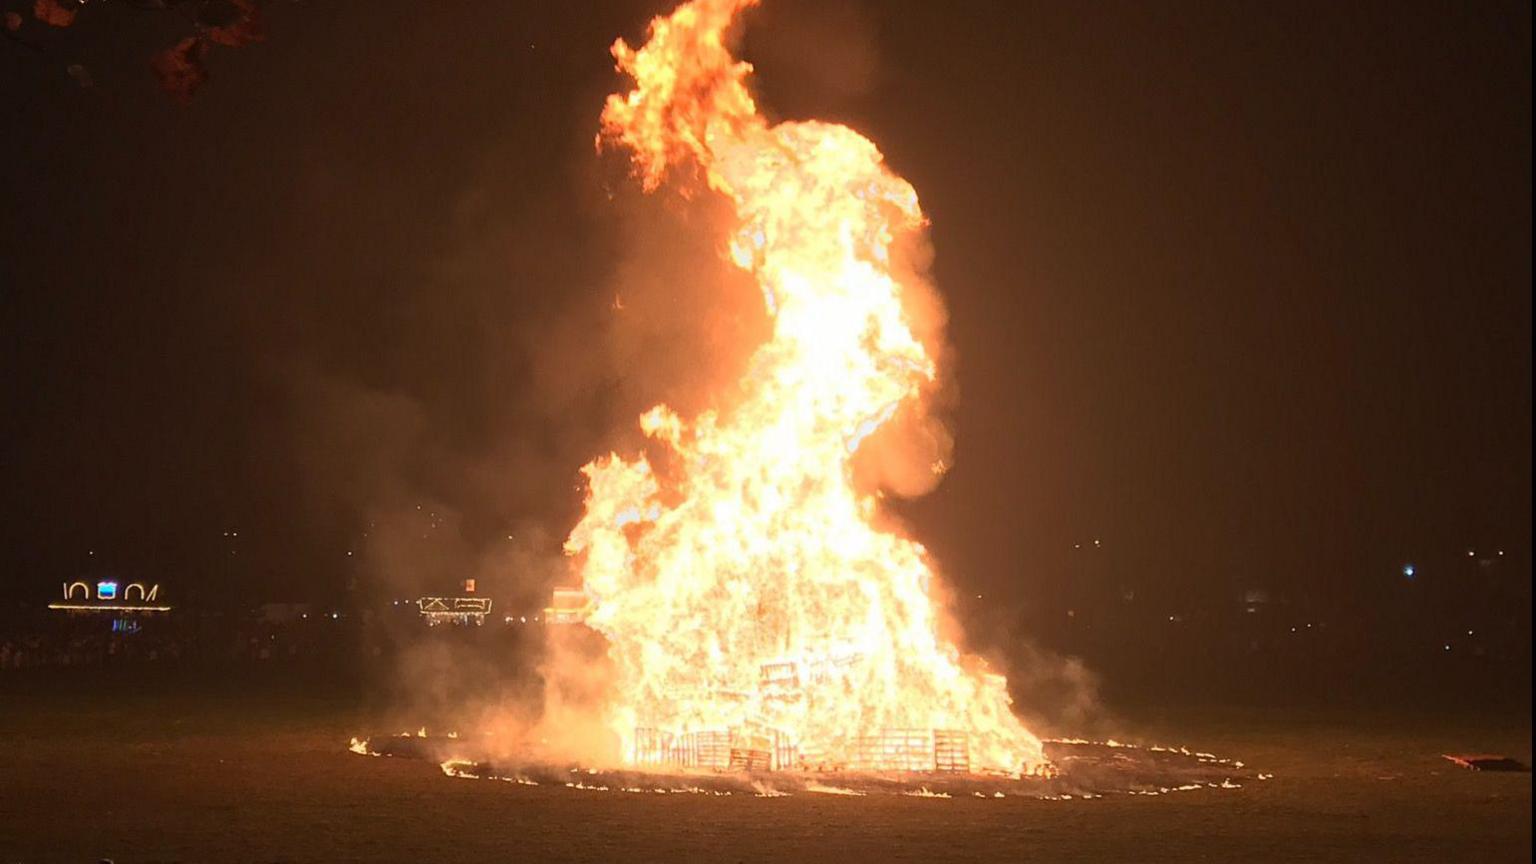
(748, 585)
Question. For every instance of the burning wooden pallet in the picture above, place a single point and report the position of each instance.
(923, 751)
(655, 748)
(894, 750)
(750, 759)
(951, 751)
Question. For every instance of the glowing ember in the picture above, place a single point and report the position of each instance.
(746, 589)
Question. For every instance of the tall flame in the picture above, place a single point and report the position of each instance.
(750, 585)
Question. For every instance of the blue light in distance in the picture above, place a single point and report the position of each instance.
(106, 590)
(1409, 571)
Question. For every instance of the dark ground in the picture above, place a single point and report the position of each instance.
(255, 768)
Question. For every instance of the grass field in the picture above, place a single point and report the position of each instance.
(258, 772)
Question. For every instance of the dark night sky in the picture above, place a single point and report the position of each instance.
(1241, 289)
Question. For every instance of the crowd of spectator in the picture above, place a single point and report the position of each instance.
(67, 642)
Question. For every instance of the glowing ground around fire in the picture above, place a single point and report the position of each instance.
(1084, 770)
(259, 771)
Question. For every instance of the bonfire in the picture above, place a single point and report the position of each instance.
(760, 607)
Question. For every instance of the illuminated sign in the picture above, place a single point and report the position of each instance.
(461, 610)
(110, 597)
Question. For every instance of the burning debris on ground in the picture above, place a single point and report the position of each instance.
(1487, 762)
(1080, 770)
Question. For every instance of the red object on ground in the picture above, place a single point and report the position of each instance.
(1486, 762)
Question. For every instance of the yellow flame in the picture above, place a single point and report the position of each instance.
(750, 588)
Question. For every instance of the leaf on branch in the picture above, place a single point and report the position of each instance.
(52, 12)
(180, 68)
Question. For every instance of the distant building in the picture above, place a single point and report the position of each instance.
(109, 596)
(454, 610)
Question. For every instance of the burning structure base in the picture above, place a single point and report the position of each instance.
(1079, 770)
(934, 751)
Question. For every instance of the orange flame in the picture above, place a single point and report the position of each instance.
(750, 588)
